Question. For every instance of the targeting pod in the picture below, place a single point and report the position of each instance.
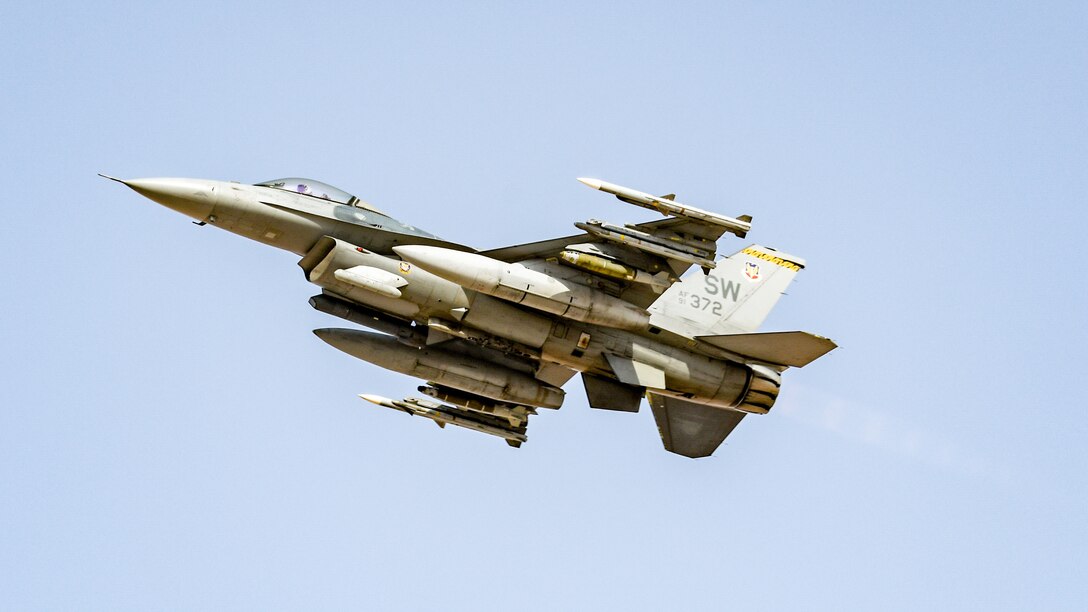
(606, 267)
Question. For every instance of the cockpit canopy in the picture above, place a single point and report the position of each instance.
(313, 188)
(363, 213)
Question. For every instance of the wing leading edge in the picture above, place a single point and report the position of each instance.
(637, 262)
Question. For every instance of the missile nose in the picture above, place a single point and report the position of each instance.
(591, 182)
(327, 334)
(191, 197)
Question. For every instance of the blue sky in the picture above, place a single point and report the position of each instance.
(172, 436)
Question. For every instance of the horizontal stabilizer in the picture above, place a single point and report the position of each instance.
(794, 349)
(690, 429)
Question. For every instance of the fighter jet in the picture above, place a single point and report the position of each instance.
(638, 310)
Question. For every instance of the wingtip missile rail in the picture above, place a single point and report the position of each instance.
(667, 206)
(647, 242)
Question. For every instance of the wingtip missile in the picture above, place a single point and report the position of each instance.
(443, 415)
(667, 205)
(591, 182)
(377, 399)
(407, 405)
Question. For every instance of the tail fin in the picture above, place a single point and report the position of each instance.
(734, 298)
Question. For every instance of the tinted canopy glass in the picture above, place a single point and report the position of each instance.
(311, 187)
(360, 213)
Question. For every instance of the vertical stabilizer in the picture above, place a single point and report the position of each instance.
(734, 298)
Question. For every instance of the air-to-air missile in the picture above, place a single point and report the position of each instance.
(666, 205)
(515, 415)
(443, 367)
(520, 284)
(443, 415)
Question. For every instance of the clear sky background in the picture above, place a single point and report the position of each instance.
(172, 436)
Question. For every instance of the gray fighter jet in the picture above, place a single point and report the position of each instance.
(643, 309)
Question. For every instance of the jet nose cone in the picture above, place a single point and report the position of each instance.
(191, 197)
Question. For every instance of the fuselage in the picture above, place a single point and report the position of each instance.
(334, 231)
(292, 216)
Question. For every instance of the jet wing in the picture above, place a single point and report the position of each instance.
(545, 248)
(635, 262)
(690, 429)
